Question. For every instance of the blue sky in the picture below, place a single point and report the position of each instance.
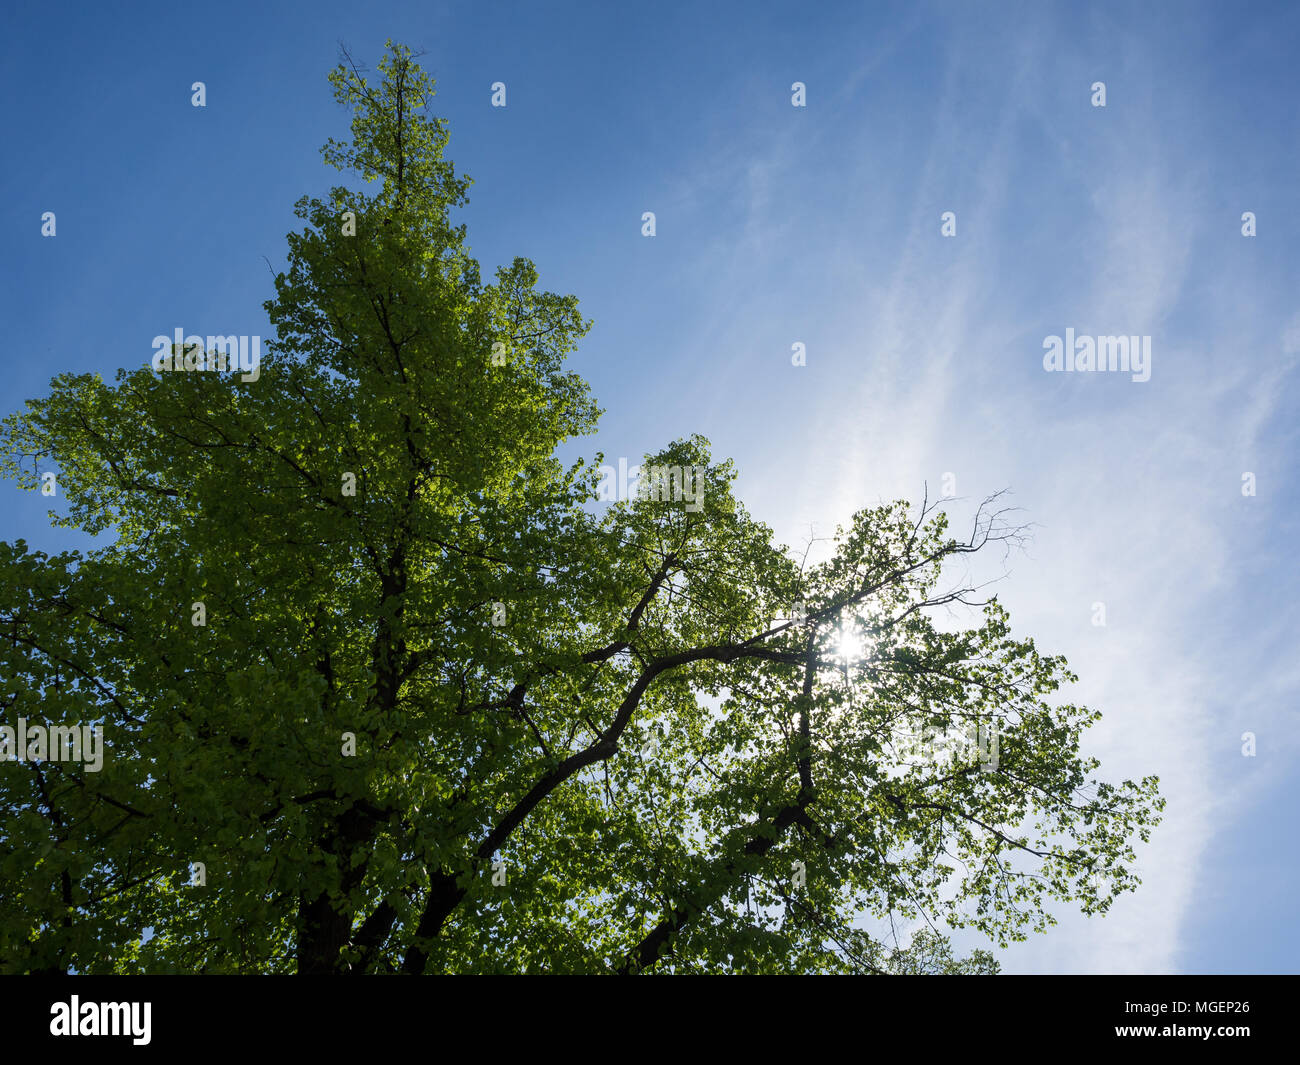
(818, 225)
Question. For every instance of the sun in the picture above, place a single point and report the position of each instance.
(849, 647)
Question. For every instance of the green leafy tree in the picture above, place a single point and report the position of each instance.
(445, 711)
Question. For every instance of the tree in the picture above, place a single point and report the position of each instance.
(384, 688)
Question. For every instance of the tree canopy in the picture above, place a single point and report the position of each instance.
(384, 686)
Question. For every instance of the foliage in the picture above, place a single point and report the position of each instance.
(677, 771)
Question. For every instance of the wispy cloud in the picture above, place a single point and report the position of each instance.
(931, 363)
